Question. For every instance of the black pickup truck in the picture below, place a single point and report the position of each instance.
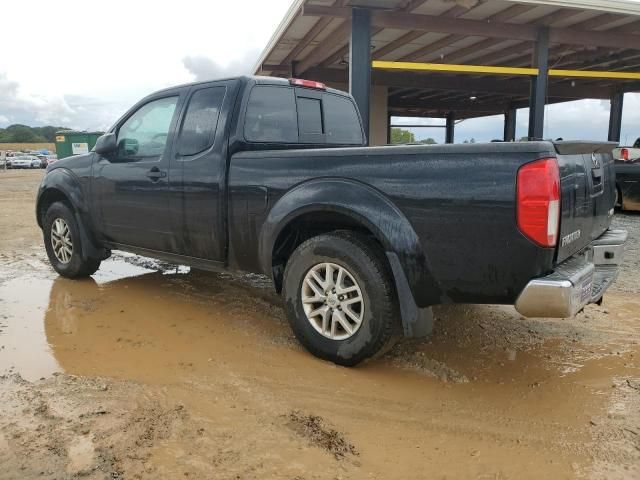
(272, 176)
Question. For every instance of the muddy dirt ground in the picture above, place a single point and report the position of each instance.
(153, 371)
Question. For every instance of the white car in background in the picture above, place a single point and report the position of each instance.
(24, 161)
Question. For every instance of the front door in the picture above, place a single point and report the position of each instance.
(131, 185)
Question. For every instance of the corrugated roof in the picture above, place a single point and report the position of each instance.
(314, 35)
(625, 7)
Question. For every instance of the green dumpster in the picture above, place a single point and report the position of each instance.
(71, 142)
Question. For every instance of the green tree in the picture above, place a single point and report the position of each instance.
(48, 132)
(399, 135)
(24, 134)
(428, 141)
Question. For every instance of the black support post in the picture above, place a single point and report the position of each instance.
(360, 63)
(450, 128)
(615, 116)
(294, 67)
(510, 125)
(388, 126)
(539, 84)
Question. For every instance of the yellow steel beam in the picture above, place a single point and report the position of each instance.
(443, 67)
(594, 74)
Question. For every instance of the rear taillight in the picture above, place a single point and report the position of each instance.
(538, 201)
(624, 154)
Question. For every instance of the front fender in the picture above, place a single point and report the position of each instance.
(368, 207)
(61, 183)
(65, 182)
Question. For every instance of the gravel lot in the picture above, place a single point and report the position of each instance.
(152, 371)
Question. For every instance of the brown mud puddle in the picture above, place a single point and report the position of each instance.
(166, 372)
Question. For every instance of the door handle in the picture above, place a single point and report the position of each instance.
(155, 174)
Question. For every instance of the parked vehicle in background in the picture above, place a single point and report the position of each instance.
(24, 161)
(628, 184)
(271, 176)
(627, 154)
(51, 159)
(43, 160)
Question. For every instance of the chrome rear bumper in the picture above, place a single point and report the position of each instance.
(576, 282)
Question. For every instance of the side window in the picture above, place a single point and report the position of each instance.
(342, 122)
(271, 115)
(144, 134)
(200, 122)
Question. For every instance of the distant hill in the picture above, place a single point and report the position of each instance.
(25, 134)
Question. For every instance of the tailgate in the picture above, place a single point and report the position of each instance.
(587, 178)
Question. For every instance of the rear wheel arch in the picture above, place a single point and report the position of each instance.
(355, 206)
(312, 223)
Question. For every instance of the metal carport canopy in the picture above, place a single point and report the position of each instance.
(313, 39)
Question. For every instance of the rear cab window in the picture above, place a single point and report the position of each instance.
(283, 114)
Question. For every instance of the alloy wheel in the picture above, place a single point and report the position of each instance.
(332, 301)
(61, 240)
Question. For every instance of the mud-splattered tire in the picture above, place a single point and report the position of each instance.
(363, 261)
(63, 243)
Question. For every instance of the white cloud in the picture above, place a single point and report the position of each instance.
(205, 68)
(95, 59)
(75, 111)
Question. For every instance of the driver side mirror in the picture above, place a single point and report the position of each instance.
(107, 143)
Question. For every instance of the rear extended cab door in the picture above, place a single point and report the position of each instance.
(199, 169)
(274, 116)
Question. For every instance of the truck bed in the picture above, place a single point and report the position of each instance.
(459, 200)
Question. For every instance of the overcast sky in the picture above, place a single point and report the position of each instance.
(81, 64)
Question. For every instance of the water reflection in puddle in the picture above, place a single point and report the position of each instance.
(24, 347)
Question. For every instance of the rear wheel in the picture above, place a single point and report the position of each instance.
(340, 299)
(63, 244)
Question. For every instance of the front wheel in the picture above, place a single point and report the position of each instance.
(340, 298)
(63, 244)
